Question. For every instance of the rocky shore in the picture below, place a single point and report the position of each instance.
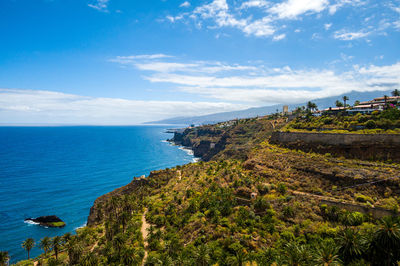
(48, 221)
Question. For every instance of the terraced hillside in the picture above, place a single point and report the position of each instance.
(248, 202)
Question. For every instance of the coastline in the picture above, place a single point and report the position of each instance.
(115, 172)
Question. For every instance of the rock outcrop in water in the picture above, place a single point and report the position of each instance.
(49, 221)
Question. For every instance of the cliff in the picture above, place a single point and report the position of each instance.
(232, 139)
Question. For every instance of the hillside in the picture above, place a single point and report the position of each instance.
(248, 202)
(266, 110)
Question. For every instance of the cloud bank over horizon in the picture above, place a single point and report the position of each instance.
(19, 106)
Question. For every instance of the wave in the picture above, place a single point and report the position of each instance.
(79, 227)
(31, 222)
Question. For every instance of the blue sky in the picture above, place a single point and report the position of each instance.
(126, 62)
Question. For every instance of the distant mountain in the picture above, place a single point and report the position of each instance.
(260, 111)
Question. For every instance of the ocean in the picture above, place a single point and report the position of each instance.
(62, 170)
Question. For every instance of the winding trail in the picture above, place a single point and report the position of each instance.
(145, 232)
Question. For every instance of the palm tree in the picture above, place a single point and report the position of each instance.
(385, 244)
(327, 255)
(396, 92)
(67, 237)
(202, 255)
(45, 244)
(28, 244)
(338, 103)
(74, 252)
(130, 256)
(89, 259)
(56, 242)
(345, 99)
(311, 106)
(351, 245)
(4, 258)
(296, 255)
(119, 242)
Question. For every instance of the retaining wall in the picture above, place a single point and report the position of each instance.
(361, 146)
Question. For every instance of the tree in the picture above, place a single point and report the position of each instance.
(396, 92)
(311, 106)
(338, 103)
(89, 259)
(202, 256)
(119, 242)
(240, 255)
(356, 103)
(385, 244)
(130, 256)
(345, 99)
(351, 245)
(327, 255)
(55, 243)
(67, 237)
(45, 244)
(74, 252)
(296, 255)
(4, 258)
(28, 244)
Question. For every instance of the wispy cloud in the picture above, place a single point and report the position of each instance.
(33, 106)
(185, 4)
(292, 9)
(279, 37)
(349, 36)
(100, 5)
(257, 84)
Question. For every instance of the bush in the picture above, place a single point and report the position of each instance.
(370, 124)
(281, 188)
(363, 198)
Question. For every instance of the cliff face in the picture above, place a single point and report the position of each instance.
(205, 142)
(232, 139)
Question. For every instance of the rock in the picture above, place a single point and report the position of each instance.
(49, 221)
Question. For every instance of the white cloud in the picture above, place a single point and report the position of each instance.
(100, 5)
(279, 37)
(133, 58)
(291, 9)
(333, 8)
(349, 36)
(254, 3)
(33, 106)
(185, 4)
(260, 85)
(327, 26)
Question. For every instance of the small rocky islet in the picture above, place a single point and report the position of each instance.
(49, 221)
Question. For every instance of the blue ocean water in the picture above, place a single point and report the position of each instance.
(62, 170)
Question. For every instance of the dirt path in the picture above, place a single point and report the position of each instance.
(145, 232)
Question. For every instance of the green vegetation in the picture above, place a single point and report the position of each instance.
(387, 121)
(57, 224)
(28, 244)
(4, 258)
(251, 203)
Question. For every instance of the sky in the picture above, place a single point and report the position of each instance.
(120, 62)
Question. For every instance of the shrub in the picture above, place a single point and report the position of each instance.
(370, 124)
(363, 198)
(281, 188)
